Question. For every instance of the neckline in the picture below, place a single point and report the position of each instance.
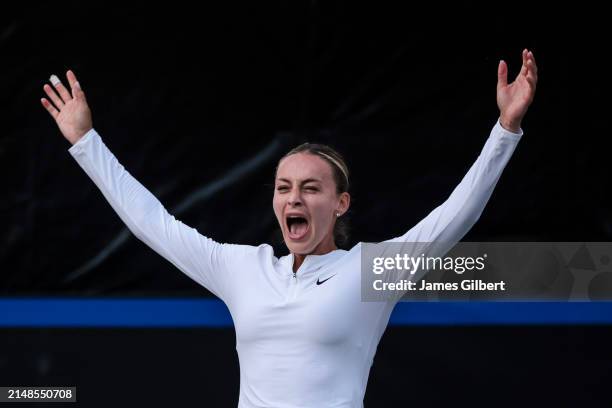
(312, 261)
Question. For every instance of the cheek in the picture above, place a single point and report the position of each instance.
(277, 206)
(323, 211)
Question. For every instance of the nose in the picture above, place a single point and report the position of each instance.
(295, 198)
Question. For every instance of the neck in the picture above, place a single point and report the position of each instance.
(324, 247)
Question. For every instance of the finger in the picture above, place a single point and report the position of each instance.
(531, 69)
(524, 66)
(75, 86)
(53, 96)
(50, 108)
(532, 79)
(502, 75)
(532, 58)
(61, 89)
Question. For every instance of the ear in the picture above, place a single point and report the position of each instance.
(344, 203)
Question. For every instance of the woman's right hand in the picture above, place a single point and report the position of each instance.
(70, 112)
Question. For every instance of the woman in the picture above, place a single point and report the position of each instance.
(303, 334)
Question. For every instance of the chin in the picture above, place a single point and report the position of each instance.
(301, 248)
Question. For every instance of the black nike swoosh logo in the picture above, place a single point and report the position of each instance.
(324, 280)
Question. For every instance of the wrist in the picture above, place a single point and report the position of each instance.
(513, 126)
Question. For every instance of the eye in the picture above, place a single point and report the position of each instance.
(282, 188)
(311, 189)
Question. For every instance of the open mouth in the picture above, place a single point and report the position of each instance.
(297, 227)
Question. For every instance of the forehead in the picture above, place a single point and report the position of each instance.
(302, 166)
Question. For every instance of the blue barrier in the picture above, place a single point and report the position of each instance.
(181, 312)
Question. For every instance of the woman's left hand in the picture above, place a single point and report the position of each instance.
(514, 99)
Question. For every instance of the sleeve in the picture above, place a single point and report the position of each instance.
(202, 259)
(441, 229)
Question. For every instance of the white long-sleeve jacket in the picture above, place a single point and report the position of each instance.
(299, 343)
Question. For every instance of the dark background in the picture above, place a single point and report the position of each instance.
(186, 96)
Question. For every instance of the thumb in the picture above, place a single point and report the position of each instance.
(502, 75)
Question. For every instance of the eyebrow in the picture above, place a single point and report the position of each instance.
(308, 180)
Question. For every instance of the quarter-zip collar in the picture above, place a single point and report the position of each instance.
(311, 263)
(307, 273)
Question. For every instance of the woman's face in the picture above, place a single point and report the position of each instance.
(305, 203)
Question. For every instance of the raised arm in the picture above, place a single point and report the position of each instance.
(202, 259)
(450, 221)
